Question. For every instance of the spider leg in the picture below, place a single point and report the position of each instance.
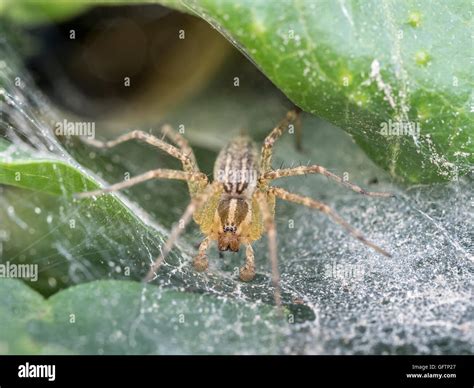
(200, 262)
(178, 139)
(171, 150)
(316, 169)
(267, 148)
(188, 163)
(270, 227)
(313, 204)
(153, 174)
(247, 272)
(178, 228)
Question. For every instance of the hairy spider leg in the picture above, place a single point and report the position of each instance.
(153, 174)
(316, 169)
(200, 261)
(270, 227)
(267, 148)
(188, 164)
(178, 139)
(313, 204)
(179, 227)
(247, 272)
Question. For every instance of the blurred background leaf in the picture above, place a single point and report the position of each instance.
(31, 12)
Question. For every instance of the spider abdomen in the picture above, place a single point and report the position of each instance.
(236, 167)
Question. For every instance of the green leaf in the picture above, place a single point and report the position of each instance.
(37, 12)
(33, 12)
(22, 169)
(364, 65)
(20, 304)
(393, 74)
(120, 317)
(86, 227)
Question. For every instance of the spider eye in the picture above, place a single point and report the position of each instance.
(230, 228)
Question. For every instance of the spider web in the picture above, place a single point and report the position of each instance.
(344, 297)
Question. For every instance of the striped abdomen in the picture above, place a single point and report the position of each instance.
(237, 167)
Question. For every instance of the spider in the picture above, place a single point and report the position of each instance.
(238, 207)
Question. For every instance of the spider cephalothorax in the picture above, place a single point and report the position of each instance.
(238, 206)
(233, 217)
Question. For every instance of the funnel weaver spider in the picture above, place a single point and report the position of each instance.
(238, 207)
